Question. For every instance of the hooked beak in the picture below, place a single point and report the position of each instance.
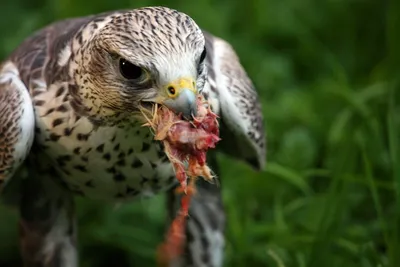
(182, 97)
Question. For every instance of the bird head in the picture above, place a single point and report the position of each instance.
(138, 58)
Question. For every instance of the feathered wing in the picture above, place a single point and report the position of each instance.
(47, 235)
(17, 122)
(19, 77)
(236, 101)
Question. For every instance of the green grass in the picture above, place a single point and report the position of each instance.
(327, 75)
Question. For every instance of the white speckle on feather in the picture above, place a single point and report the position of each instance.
(64, 55)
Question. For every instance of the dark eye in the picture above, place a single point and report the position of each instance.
(203, 55)
(129, 71)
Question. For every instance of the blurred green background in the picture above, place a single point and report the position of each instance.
(327, 75)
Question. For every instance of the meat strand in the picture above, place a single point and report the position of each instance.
(184, 142)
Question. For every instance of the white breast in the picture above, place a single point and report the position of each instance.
(109, 162)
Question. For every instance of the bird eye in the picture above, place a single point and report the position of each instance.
(203, 55)
(129, 70)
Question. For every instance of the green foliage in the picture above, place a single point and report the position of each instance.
(327, 75)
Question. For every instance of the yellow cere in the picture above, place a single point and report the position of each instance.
(174, 88)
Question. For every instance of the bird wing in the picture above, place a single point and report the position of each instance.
(17, 121)
(235, 100)
(20, 77)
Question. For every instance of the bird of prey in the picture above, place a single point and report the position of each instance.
(70, 124)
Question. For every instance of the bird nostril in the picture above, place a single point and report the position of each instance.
(171, 90)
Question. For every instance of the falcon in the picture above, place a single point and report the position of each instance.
(70, 124)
